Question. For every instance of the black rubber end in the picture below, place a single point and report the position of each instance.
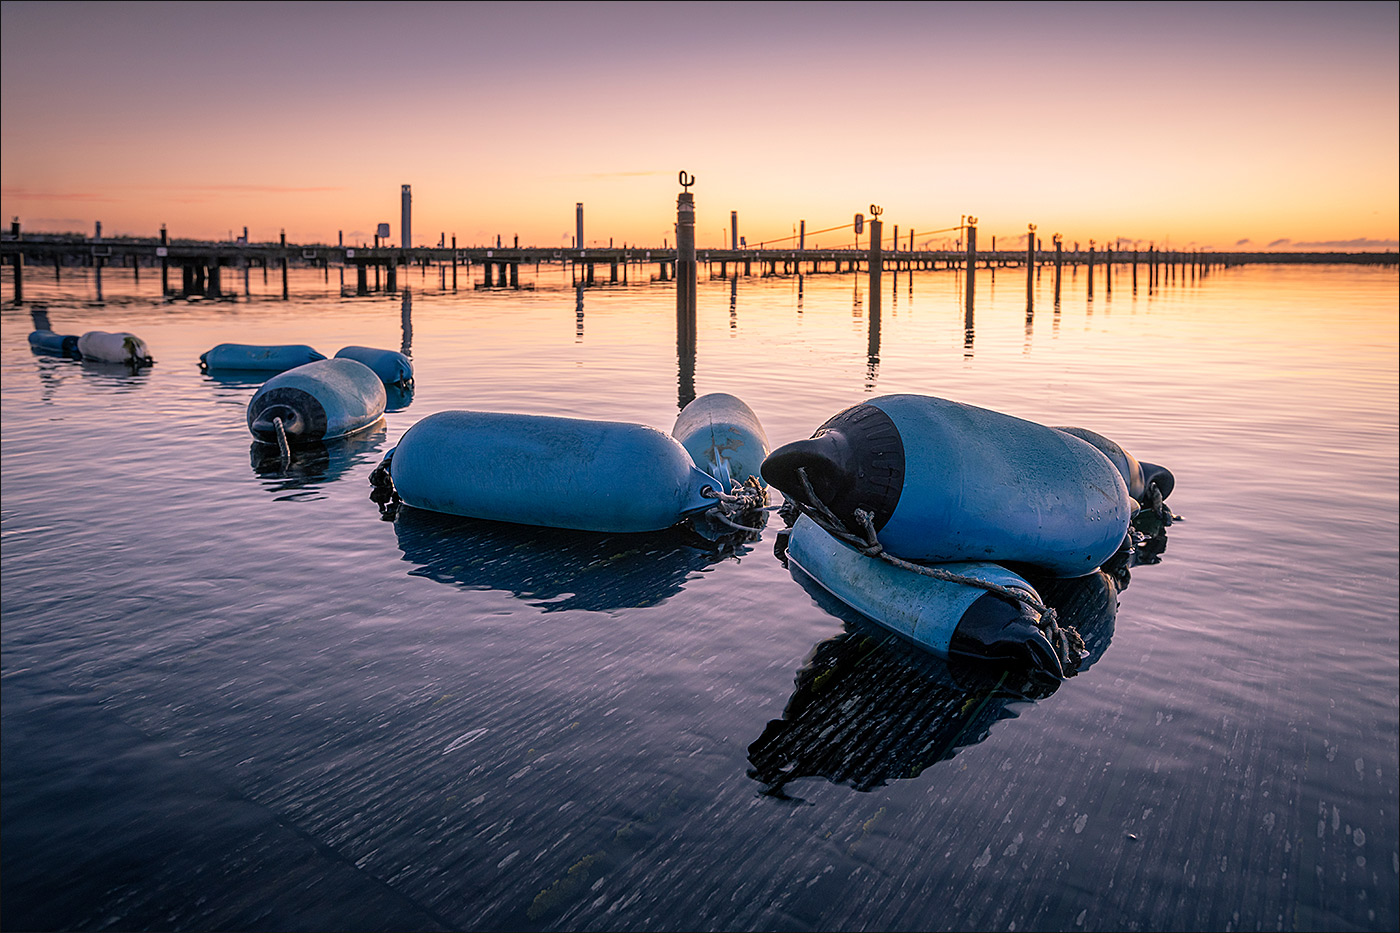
(854, 461)
(995, 629)
(1159, 476)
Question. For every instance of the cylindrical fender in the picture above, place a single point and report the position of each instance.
(391, 366)
(723, 437)
(46, 341)
(271, 358)
(941, 616)
(946, 481)
(1139, 476)
(317, 402)
(541, 470)
(114, 348)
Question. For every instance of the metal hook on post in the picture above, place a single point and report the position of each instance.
(876, 210)
(686, 180)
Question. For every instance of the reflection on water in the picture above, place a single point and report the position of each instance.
(870, 708)
(313, 465)
(559, 569)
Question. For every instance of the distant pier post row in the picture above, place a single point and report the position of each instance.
(201, 262)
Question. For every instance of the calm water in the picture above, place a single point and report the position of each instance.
(235, 697)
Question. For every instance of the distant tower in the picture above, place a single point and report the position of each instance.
(407, 222)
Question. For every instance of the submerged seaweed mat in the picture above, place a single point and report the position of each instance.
(234, 697)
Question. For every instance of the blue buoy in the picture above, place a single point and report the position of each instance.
(391, 366)
(944, 481)
(269, 358)
(46, 341)
(723, 437)
(120, 347)
(556, 472)
(316, 402)
(1141, 478)
(941, 616)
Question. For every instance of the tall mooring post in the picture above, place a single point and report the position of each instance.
(971, 259)
(578, 225)
(801, 235)
(685, 292)
(406, 220)
(18, 261)
(876, 257)
(1030, 266)
(1091, 269)
(1059, 242)
(733, 229)
(164, 253)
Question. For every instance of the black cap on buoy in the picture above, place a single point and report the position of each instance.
(1159, 476)
(854, 461)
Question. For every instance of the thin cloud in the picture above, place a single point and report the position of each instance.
(258, 189)
(24, 194)
(1245, 242)
(1360, 242)
(620, 174)
(1283, 242)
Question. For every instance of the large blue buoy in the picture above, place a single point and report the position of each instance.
(1140, 478)
(942, 616)
(723, 437)
(316, 402)
(46, 341)
(556, 472)
(392, 367)
(276, 358)
(120, 347)
(944, 481)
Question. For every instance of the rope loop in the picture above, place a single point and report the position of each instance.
(282, 442)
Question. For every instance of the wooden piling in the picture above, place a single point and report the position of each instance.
(875, 258)
(971, 260)
(1030, 266)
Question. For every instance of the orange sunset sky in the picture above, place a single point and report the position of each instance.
(1220, 125)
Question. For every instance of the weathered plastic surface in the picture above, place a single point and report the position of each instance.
(924, 610)
(270, 358)
(957, 483)
(556, 472)
(317, 401)
(119, 347)
(1139, 477)
(391, 366)
(723, 437)
(46, 341)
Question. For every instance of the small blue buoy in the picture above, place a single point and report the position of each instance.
(392, 367)
(46, 341)
(942, 616)
(723, 437)
(119, 347)
(944, 481)
(542, 470)
(316, 402)
(266, 357)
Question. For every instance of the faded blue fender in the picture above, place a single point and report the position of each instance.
(946, 481)
(541, 470)
(1140, 477)
(943, 617)
(317, 402)
(46, 341)
(270, 358)
(391, 366)
(723, 437)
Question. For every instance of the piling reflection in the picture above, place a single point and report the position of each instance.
(869, 708)
(311, 466)
(557, 569)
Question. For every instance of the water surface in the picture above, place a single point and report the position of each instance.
(233, 696)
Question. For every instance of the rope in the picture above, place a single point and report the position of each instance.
(746, 497)
(282, 443)
(1066, 641)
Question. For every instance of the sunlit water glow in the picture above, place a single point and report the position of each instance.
(233, 696)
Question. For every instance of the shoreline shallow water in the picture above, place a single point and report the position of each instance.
(233, 696)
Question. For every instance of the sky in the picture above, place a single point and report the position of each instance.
(1190, 125)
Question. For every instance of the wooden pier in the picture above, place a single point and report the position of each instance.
(201, 264)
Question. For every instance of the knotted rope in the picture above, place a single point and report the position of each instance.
(743, 497)
(1066, 641)
(282, 442)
